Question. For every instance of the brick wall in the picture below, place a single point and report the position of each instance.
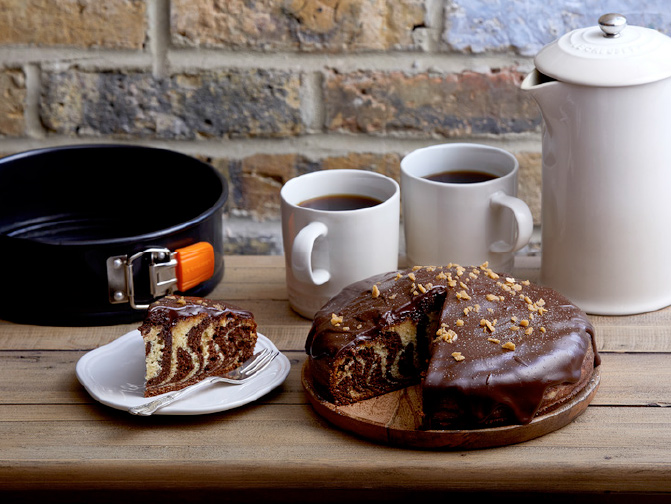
(266, 90)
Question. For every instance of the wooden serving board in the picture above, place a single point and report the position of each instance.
(395, 419)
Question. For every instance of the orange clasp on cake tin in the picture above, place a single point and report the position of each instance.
(168, 271)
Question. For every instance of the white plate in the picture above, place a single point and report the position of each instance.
(114, 375)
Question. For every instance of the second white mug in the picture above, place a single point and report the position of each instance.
(467, 222)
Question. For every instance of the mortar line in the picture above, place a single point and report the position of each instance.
(31, 112)
(314, 147)
(158, 21)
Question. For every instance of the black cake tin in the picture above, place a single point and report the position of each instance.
(65, 211)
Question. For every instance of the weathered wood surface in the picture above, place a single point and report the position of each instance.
(57, 443)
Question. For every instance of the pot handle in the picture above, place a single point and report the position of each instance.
(524, 222)
(301, 254)
(195, 264)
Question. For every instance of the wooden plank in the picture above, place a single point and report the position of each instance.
(288, 446)
(36, 377)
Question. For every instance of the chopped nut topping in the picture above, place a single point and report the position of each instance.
(463, 295)
(447, 335)
(335, 319)
(411, 276)
(460, 323)
(543, 329)
(376, 291)
(529, 330)
(457, 356)
(524, 323)
(421, 288)
(441, 276)
(494, 340)
(415, 268)
(509, 345)
(463, 285)
(514, 328)
(346, 328)
(398, 276)
(488, 326)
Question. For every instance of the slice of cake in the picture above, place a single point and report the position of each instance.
(187, 339)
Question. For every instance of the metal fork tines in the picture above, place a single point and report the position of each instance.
(248, 370)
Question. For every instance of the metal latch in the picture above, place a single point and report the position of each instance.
(162, 264)
(168, 271)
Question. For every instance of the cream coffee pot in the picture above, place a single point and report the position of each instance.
(605, 98)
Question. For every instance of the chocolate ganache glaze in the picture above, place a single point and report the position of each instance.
(488, 348)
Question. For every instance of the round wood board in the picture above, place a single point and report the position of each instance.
(394, 419)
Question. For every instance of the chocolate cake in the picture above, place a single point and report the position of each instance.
(187, 339)
(487, 349)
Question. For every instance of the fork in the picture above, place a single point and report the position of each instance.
(248, 370)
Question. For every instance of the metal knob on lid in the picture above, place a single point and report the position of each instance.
(612, 24)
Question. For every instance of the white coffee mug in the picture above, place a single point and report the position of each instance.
(464, 223)
(326, 250)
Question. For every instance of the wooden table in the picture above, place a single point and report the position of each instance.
(59, 444)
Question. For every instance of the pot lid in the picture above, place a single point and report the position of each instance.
(610, 54)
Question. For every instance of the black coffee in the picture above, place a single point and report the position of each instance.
(461, 177)
(339, 202)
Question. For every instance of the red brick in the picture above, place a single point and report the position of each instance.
(118, 24)
(12, 102)
(306, 25)
(427, 104)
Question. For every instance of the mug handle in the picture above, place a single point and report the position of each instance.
(301, 254)
(523, 219)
